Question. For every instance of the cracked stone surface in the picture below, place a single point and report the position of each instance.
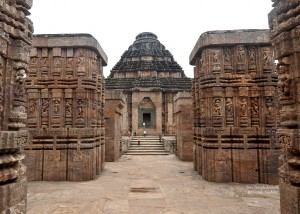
(151, 184)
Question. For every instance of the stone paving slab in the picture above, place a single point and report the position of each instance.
(151, 184)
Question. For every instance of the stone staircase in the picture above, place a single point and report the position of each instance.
(149, 145)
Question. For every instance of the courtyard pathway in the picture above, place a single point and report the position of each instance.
(151, 185)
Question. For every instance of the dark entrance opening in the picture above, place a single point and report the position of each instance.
(147, 119)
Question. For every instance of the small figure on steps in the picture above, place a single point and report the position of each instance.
(145, 133)
(139, 141)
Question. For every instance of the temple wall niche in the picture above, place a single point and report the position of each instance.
(65, 96)
(285, 31)
(235, 107)
(15, 44)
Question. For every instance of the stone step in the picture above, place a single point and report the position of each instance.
(147, 143)
(147, 136)
(146, 148)
(147, 153)
(144, 139)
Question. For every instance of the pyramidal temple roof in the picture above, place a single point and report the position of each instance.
(147, 64)
(147, 53)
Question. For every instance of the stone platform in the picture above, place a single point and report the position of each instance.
(151, 184)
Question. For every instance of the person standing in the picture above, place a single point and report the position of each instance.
(139, 141)
(145, 133)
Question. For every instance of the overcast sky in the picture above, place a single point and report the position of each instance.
(177, 23)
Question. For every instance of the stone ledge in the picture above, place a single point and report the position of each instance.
(229, 37)
(69, 40)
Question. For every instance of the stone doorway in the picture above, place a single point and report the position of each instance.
(147, 120)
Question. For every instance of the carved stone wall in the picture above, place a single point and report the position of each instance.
(116, 123)
(235, 102)
(15, 43)
(285, 38)
(65, 96)
(183, 125)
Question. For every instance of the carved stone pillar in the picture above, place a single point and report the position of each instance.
(65, 93)
(15, 43)
(235, 107)
(285, 38)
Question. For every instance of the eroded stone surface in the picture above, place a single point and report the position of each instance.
(284, 25)
(235, 107)
(65, 96)
(15, 43)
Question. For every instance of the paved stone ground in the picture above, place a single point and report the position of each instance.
(151, 184)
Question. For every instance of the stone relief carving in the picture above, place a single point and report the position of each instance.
(255, 111)
(252, 57)
(229, 112)
(45, 107)
(241, 59)
(227, 59)
(216, 61)
(285, 81)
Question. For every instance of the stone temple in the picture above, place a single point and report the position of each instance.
(149, 78)
(58, 111)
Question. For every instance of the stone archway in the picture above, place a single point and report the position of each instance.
(146, 114)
